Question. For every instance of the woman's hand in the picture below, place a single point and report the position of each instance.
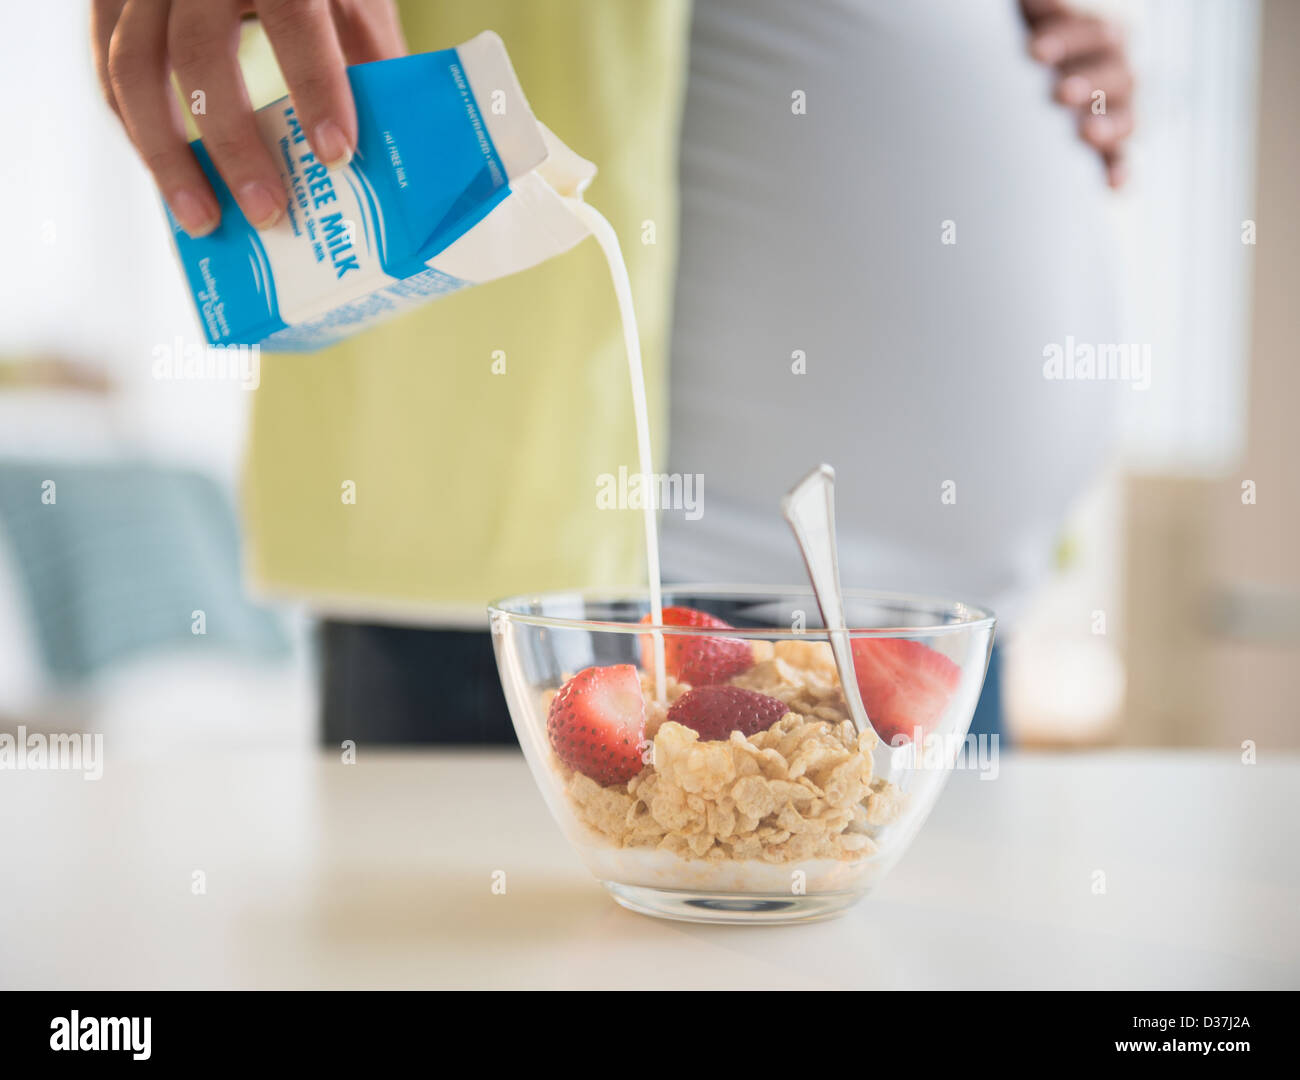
(137, 44)
(1093, 75)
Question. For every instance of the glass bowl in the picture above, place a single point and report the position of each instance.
(745, 794)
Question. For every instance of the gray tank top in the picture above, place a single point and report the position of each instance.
(822, 234)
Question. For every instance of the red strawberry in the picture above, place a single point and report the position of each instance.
(905, 685)
(700, 661)
(597, 723)
(716, 711)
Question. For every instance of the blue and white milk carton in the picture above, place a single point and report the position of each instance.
(454, 182)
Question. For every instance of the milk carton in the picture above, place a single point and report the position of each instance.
(454, 182)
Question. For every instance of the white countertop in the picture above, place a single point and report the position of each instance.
(379, 875)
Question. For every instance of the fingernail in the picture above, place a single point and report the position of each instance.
(1074, 90)
(197, 213)
(1048, 48)
(259, 205)
(331, 144)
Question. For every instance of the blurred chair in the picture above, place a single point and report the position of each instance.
(122, 607)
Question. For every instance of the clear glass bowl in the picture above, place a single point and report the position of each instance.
(780, 823)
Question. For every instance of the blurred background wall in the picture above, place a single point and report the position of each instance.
(1198, 545)
(1176, 610)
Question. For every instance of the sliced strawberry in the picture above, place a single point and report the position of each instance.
(905, 685)
(698, 660)
(597, 722)
(716, 711)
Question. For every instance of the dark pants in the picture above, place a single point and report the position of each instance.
(988, 713)
(391, 684)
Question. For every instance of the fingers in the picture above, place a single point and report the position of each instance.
(1063, 38)
(103, 18)
(368, 30)
(1093, 76)
(1109, 74)
(307, 47)
(1040, 9)
(203, 42)
(138, 79)
(1109, 130)
(1116, 168)
(135, 41)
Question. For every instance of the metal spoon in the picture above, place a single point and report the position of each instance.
(809, 507)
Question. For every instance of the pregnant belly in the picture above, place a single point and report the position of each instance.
(920, 236)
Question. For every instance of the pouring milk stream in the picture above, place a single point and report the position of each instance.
(454, 182)
(608, 240)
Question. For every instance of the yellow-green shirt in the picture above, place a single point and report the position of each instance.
(470, 482)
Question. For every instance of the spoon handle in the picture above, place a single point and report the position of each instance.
(809, 507)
